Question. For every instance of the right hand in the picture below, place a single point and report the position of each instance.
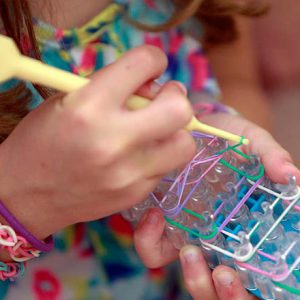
(84, 156)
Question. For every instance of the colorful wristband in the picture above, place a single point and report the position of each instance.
(46, 246)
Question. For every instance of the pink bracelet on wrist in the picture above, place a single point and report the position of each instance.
(17, 247)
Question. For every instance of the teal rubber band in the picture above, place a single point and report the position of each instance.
(287, 288)
(3, 267)
(22, 265)
(297, 272)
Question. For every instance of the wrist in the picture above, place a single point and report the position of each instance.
(28, 197)
(27, 213)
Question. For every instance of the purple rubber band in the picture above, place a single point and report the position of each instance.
(220, 108)
(46, 246)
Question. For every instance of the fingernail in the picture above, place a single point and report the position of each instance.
(292, 167)
(225, 278)
(182, 87)
(291, 170)
(190, 254)
(154, 87)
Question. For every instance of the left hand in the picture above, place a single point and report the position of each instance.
(156, 250)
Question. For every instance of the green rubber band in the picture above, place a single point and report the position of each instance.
(214, 226)
(240, 153)
(251, 177)
(225, 163)
(287, 288)
(187, 229)
(188, 211)
(234, 149)
(242, 140)
(223, 151)
(228, 165)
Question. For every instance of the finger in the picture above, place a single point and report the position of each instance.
(229, 286)
(154, 160)
(162, 157)
(149, 90)
(167, 113)
(168, 155)
(121, 79)
(277, 161)
(152, 246)
(152, 88)
(127, 196)
(197, 276)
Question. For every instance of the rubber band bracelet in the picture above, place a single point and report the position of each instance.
(11, 270)
(46, 246)
(17, 246)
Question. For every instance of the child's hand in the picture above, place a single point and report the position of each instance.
(277, 161)
(156, 250)
(223, 283)
(85, 156)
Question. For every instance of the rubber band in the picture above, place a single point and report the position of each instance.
(11, 270)
(289, 289)
(17, 247)
(46, 246)
(251, 190)
(197, 234)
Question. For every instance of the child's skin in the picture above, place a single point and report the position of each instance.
(83, 156)
(156, 250)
